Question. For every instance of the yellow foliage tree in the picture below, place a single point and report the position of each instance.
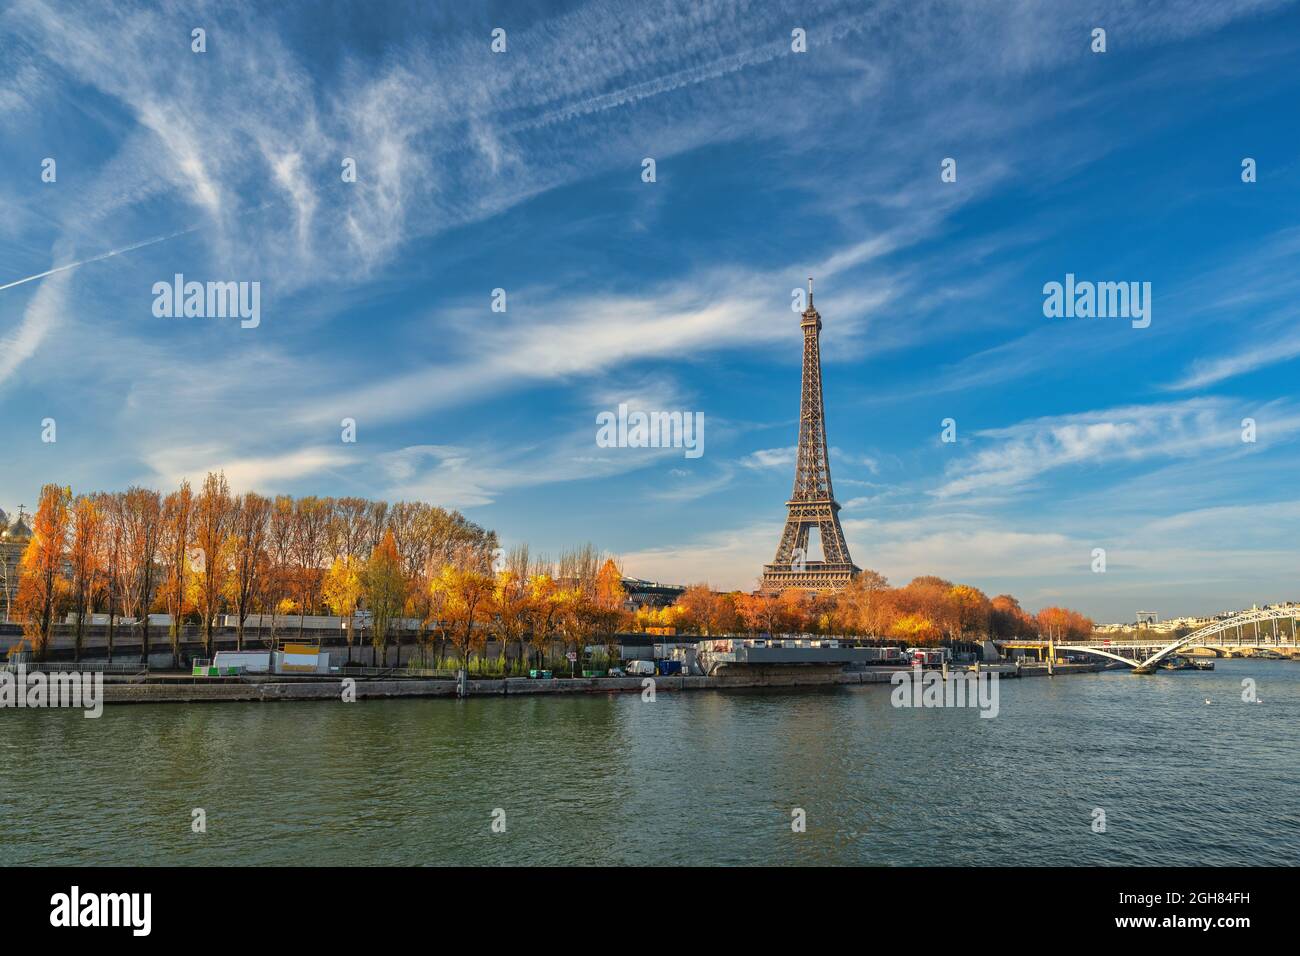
(541, 610)
(464, 594)
(509, 607)
(384, 584)
(916, 630)
(342, 592)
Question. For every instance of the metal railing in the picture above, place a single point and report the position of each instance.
(403, 671)
(104, 667)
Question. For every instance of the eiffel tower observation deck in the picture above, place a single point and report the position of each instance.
(813, 504)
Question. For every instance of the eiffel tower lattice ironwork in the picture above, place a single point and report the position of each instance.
(812, 505)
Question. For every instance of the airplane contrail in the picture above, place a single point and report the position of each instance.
(102, 255)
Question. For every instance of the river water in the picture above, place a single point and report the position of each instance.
(690, 778)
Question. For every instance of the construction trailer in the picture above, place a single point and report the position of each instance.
(292, 659)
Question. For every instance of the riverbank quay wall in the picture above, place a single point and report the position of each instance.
(202, 690)
(126, 644)
(405, 647)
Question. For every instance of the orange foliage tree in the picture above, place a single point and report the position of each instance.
(41, 582)
(926, 611)
(759, 613)
(1062, 624)
(708, 612)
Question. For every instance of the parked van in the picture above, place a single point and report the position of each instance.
(641, 668)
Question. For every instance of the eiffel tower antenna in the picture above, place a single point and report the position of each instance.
(812, 503)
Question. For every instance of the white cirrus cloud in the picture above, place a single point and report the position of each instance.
(1012, 458)
(771, 458)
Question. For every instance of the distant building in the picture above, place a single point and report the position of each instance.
(650, 593)
(13, 541)
(1156, 626)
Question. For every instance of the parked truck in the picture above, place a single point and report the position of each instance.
(930, 656)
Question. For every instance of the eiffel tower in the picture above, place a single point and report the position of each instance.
(812, 505)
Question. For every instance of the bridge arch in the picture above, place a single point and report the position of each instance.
(1204, 636)
(1219, 627)
(1097, 651)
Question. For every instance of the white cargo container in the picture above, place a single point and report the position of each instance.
(251, 662)
(302, 659)
(294, 659)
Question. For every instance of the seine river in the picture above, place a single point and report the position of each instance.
(690, 778)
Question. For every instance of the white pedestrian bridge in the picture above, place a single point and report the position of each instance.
(1254, 630)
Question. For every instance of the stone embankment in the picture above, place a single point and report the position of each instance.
(201, 690)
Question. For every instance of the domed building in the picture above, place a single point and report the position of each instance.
(13, 541)
(18, 531)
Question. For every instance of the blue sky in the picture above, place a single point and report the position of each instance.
(522, 171)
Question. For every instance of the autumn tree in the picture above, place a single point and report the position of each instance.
(704, 611)
(376, 523)
(572, 617)
(384, 585)
(575, 580)
(723, 617)
(540, 611)
(760, 613)
(248, 552)
(41, 569)
(311, 523)
(404, 520)
(663, 620)
(457, 540)
(1007, 619)
(418, 562)
(970, 612)
(916, 630)
(927, 597)
(510, 601)
(142, 512)
(608, 604)
(464, 594)
(864, 606)
(821, 612)
(794, 610)
(84, 562)
(342, 592)
(280, 530)
(174, 543)
(348, 533)
(213, 514)
(110, 557)
(1063, 624)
